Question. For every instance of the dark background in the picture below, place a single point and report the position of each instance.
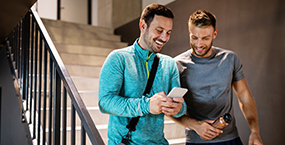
(255, 30)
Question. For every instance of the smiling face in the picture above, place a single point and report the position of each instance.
(201, 39)
(155, 36)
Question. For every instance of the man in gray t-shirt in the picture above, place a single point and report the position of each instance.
(211, 74)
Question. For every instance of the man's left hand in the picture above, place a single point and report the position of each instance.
(173, 107)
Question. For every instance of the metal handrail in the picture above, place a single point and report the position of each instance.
(33, 54)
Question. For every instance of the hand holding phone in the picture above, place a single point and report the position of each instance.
(177, 92)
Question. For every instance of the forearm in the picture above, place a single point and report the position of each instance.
(249, 111)
(123, 106)
(247, 104)
(186, 121)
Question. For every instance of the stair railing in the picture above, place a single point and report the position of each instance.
(44, 83)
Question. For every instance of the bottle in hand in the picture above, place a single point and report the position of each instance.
(221, 122)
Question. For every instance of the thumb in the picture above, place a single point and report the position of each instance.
(162, 93)
(210, 121)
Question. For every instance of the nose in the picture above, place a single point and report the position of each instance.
(164, 36)
(200, 43)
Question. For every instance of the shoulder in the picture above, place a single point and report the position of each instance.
(221, 51)
(228, 55)
(183, 57)
(166, 60)
(163, 57)
(125, 50)
(122, 52)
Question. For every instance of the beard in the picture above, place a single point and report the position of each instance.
(150, 42)
(207, 49)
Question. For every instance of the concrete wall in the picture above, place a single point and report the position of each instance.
(114, 13)
(255, 31)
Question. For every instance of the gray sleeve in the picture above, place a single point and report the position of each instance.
(237, 72)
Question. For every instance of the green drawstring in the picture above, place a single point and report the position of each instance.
(147, 64)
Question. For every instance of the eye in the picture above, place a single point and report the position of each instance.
(168, 33)
(206, 38)
(159, 30)
(194, 38)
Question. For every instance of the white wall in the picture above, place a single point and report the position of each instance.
(74, 11)
(47, 9)
(95, 12)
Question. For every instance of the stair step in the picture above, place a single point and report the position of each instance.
(82, 49)
(80, 59)
(86, 83)
(97, 117)
(103, 134)
(86, 71)
(90, 98)
(178, 141)
(173, 130)
(79, 33)
(88, 42)
(69, 25)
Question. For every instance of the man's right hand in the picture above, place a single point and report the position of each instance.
(157, 101)
(206, 131)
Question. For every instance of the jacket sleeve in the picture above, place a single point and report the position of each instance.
(110, 83)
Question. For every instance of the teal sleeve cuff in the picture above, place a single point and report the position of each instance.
(144, 106)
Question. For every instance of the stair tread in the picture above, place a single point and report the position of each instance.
(64, 25)
(176, 140)
(91, 42)
(81, 49)
(82, 59)
(80, 34)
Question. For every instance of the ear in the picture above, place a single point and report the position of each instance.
(143, 26)
(215, 33)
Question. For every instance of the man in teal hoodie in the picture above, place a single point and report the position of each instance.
(124, 76)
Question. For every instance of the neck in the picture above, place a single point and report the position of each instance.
(141, 43)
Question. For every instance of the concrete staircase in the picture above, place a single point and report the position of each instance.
(83, 49)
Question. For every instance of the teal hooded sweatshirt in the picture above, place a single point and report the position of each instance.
(122, 82)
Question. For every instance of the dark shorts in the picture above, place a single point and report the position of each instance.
(236, 141)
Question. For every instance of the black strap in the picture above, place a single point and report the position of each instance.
(151, 75)
(132, 125)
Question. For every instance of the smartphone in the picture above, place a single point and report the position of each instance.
(177, 92)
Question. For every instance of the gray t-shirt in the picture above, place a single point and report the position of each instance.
(210, 94)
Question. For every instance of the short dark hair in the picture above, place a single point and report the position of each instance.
(155, 9)
(201, 18)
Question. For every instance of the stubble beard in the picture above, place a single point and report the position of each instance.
(150, 43)
(193, 46)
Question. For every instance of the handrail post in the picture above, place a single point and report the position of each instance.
(44, 97)
(57, 103)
